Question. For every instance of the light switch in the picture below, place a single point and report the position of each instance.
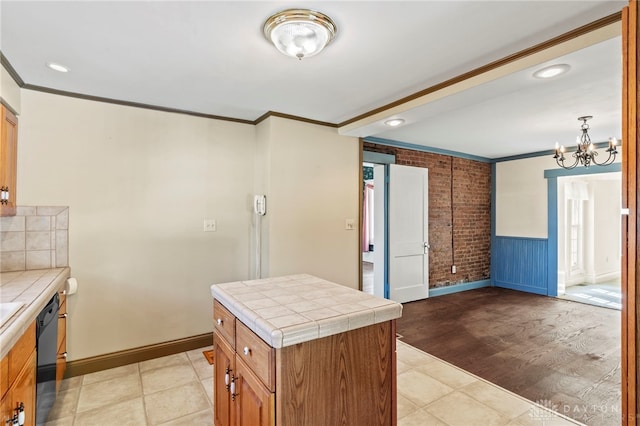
(210, 225)
(349, 224)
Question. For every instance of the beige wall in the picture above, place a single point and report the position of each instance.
(139, 183)
(521, 196)
(312, 176)
(9, 90)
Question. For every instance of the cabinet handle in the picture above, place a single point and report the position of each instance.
(219, 321)
(63, 355)
(226, 378)
(12, 420)
(246, 350)
(233, 388)
(4, 195)
(21, 415)
(62, 292)
(63, 315)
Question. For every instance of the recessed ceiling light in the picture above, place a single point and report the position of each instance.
(57, 67)
(394, 122)
(551, 71)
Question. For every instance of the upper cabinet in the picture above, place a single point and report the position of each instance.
(8, 162)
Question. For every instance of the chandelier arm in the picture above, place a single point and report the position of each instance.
(560, 162)
(610, 159)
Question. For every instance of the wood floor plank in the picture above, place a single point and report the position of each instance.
(563, 354)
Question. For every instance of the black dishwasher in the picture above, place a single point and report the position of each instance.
(47, 353)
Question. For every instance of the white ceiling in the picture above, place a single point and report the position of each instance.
(210, 57)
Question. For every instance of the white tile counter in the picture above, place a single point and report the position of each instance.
(31, 288)
(293, 309)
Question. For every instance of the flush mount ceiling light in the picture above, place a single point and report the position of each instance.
(394, 122)
(552, 71)
(586, 153)
(57, 67)
(300, 33)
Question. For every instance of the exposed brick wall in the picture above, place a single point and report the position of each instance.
(460, 235)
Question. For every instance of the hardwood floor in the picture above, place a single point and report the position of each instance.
(562, 354)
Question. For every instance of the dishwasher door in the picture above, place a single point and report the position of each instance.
(47, 354)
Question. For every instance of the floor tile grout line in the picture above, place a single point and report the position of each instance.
(533, 403)
(144, 399)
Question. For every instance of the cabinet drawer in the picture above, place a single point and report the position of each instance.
(21, 351)
(256, 353)
(62, 298)
(62, 323)
(224, 322)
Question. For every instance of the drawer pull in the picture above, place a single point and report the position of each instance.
(63, 355)
(246, 350)
(219, 321)
(226, 378)
(63, 315)
(62, 292)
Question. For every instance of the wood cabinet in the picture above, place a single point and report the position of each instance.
(19, 379)
(347, 378)
(8, 161)
(61, 362)
(241, 397)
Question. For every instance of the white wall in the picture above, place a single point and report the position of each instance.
(139, 184)
(607, 229)
(521, 197)
(602, 228)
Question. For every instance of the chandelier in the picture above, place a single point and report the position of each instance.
(585, 153)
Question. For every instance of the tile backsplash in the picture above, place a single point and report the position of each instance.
(35, 238)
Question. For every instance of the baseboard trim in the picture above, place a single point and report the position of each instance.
(130, 356)
(455, 288)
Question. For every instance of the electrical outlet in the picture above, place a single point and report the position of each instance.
(454, 269)
(349, 224)
(210, 225)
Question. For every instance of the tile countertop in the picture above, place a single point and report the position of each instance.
(293, 309)
(31, 288)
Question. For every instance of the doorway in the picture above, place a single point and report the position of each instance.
(394, 233)
(589, 243)
(374, 227)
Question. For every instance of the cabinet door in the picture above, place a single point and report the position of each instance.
(254, 404)
(24, 390)
(222, 367)
(8, 159)
(6, 409)
(61, 361)
(61, 364)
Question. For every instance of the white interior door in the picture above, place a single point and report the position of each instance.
(408, 233)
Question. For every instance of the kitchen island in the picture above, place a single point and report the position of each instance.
(300, 350)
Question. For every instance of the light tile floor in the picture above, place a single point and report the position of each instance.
(178, 390)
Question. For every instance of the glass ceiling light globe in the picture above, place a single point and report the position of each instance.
(299, 33)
